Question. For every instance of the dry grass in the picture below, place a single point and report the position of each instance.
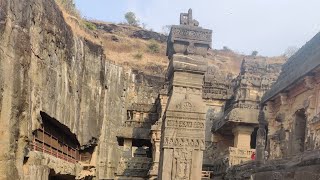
(77, 25)
(123, 50)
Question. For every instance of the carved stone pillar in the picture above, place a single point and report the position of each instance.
(156, 135)
(261, 138)
(183, 128)
(155, 140)
(127, 147)
(242, 136)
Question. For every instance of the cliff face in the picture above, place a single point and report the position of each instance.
(44, 67)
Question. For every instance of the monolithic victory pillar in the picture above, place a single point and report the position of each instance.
(183, 128)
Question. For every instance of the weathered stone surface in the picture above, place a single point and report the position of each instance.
(45, 67)
(234, 128)
(188, 38)
(183, 126)
(296, 167)
(299, 65)
(256, 77)
(118, 112)
(287, 143)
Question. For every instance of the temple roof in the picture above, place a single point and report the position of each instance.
(298, 66)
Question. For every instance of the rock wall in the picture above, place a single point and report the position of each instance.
(45, 67)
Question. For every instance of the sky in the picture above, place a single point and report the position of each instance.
(267, 26)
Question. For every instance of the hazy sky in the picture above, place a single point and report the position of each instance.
(268, 26)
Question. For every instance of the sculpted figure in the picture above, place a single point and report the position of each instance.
(261, 138)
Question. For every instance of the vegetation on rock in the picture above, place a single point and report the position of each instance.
(90, 25)
(154, 47)
(131, 19)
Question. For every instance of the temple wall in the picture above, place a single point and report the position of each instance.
(282, 118)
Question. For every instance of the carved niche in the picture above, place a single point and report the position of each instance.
(181, 164)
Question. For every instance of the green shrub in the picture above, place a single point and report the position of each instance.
(90, 25)
(154, 47)
(131, 19)
(254, 53)
(138, 55)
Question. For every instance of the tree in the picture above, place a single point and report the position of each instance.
(131, 19)
(226, 48)
(166, 30)
(254, 53)
(291, 51)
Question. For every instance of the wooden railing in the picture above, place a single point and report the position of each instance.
(47, 143)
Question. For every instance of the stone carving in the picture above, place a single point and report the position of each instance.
(183, 126)
(256, 76)
(181, 164)
(261, 138)
(217, 84)
(238, 155)
(141, 116)
(186, 19)
(183, 142)
(184, 106)
(188, 38)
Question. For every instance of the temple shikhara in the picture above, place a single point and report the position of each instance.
(68, 112)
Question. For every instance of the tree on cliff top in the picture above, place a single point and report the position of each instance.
(254, 53)
(131, 19)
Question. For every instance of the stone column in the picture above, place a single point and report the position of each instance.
(127, 147)
(242, 136)
(261, 138)
(156, 135)
(155, 139)
(183, 128)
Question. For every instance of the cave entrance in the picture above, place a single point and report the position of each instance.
(299, 131)
(56, 139)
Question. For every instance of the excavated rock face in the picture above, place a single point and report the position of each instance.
(45, 67)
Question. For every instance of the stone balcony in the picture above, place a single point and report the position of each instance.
(234, 156)
(240, 113)
(239, 155)
(137, 124)
(134, 128)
